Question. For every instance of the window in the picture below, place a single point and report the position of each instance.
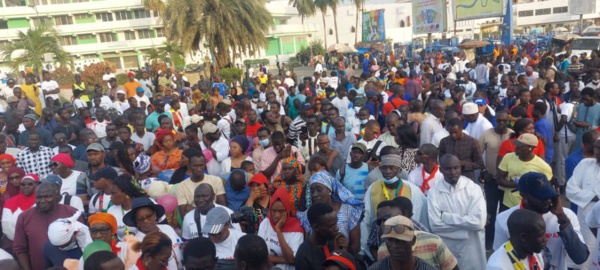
(526, 13)
(41, 20)
(86, 36)
(63, 20)
(131, 61)
(15, 3)
(67, 40)
(543, 11)
(160, 32)
(402, 24)
(146, 33)
(82, 16)
(123, 15)
(140, 14)
(79, 1)
(105, 17)
(129, 35)
(55, 2)
(560, 10)
(107, 37)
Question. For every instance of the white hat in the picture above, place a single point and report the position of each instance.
(121, 91)
(470, 108)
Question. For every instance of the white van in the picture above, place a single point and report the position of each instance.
(585, 44)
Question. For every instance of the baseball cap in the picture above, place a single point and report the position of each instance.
(480, 101)
(216, 219)
(196, 118)
(305, 106)
(139, 90)
(399, 227)
(106, 172)
(537, 185)
(95, 147)
(371, 93)
(527, 139)
(359, 146)
(470, 108)
(241, 120)
(52, 179)
(342, 259)
(130, 74)
(209, 128)
(323, 80)
(13, 99)
(121, 91)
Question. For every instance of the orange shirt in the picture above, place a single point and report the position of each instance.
(130, 88)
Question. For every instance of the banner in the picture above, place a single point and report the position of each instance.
(475, 9)
(373, 27)
(429, 16)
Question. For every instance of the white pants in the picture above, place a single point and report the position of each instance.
(562, 151)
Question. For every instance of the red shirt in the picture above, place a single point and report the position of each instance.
(529, 108)
(393, 105)
(252, 130)
(508, 146)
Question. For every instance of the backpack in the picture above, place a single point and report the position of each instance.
(372, 153)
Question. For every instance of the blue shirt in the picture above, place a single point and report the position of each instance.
(152, 120)
(221, 87)
(56, 257)
(354, 179)
(570, 163)
(544, 127)
(365, 65)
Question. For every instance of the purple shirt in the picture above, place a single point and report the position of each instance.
(31, 232)
(413, 88)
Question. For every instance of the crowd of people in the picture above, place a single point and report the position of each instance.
(442, 163)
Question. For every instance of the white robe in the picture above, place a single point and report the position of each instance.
(457, 214)
(419, 202)
(477, 128)
(583, 186)
(429, 126)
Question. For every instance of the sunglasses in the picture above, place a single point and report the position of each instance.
(397, 228)
(53, 164)
(14, 177)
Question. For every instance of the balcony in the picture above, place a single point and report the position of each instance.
(71, 8)
(293, 29)
(125, 45)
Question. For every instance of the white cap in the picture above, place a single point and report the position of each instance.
(470, 108)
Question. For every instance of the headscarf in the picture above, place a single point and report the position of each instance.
(63, 158)
(11, 190)
(161, 134)
(61, 231)
(142, 164)
(197, 97)
(294, 190)
(339, 193)
(235, 199)
(104, 218)
(9, 157)
(242, 140)
(292, 224)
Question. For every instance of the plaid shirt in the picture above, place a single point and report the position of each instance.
(36, 162)
(468, 152)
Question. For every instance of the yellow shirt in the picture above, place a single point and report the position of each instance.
(515, 168)
(185, 190)
(32, 91)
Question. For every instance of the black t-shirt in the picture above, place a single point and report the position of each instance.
(310, 256)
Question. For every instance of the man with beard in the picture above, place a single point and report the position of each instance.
(457, 213)
(527, 232)
(562, 226)
(204, 197)
(66, 126)
(152, 120)
(392, 122)
(252, 125)
(35, 158)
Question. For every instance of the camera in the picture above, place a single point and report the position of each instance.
(246, 215)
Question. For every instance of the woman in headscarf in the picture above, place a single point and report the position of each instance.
(142, 167)
(290, 178)
(236, 189)
(156, 252)
(13, 184)
(122, 193)
(197, 97)
(323, 188)
(103, 227)
(237, 147)
(14, 206)
(6, 162)
(144, 215)
(169, 156)
(259, 197)
(184, 171)
(281, 227)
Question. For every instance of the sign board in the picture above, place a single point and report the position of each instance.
(476, 9)
(578, 7)
(429, 16)
(373, 27)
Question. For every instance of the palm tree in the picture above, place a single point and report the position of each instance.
(322, 5)
(154, 56)
(359, 5)
(306, 8)
(333, 5)
(31, 46)
(155, 5)
(172, 51)
(223, 26)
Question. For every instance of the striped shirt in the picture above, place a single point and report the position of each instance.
(428, 247)
(386, 264)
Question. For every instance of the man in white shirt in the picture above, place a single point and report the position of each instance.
(106, 76)
(341, 102)
(432, 122)
(566, 137)
(147, 84)
(288, 79)
(99, 124)
(427, 174)
(204, 197)
(50, 88)
(477, 124)
(595, 83)
(7, 90)
(470, 87)
(527, 239)
(369, 139)
(217, 226)
(141, 97)
(457, 213)
(583, 189)
(562, 226)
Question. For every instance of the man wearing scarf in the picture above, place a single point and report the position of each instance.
(67, 238)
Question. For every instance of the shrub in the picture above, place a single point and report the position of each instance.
(92, 73)
(121, 78)
(226, 74)
(63, 76)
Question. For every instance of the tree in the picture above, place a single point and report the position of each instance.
(31, 46)
(322, 5)
(223, 26)
(333, 5)
(156, 5)
(92, 73)
(359, 6)
(172, 52)
(154, 56)
(306, 8)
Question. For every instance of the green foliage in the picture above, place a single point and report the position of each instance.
(121, 78)
(92, 73)
(255, 62)
(227, 74)
(315, 47)
(31, 46)
(63, 76)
